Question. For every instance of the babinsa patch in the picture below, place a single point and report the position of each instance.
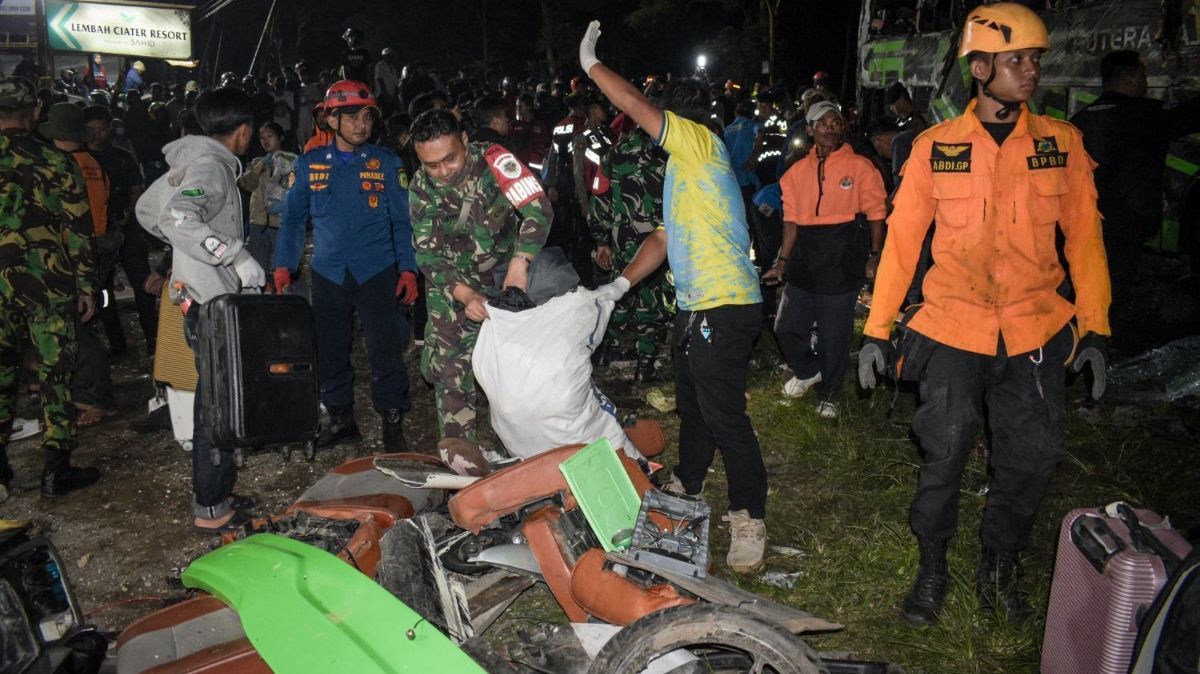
(1046, 154)
(950, 158)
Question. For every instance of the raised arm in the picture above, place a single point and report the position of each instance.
(620, 92)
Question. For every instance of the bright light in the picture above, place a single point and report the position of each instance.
(701, 61)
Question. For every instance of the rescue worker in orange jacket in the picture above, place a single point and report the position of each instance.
(824, 255)
(999, 181)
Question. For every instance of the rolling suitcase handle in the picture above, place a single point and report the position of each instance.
(1142, 538)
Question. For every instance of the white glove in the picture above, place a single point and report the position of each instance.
(587, 46)
(611, 292)
(249, 270)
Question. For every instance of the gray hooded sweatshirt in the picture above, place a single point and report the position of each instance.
(197, 209)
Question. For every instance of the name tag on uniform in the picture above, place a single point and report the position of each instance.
(1046, 154)
(950, 158)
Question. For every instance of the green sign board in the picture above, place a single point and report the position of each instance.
(130, 30)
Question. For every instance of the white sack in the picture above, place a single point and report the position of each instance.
(535, 366)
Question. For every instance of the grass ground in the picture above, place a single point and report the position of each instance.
(840, 490)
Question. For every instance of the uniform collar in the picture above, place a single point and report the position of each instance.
(331, 151)
(972, 124)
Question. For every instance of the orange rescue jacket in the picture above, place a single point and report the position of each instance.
(995, 269)
(833, 191)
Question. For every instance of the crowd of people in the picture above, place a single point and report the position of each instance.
(703, 210)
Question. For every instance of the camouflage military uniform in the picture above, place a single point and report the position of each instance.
(46, 263)
(507, 213)
(622, 216)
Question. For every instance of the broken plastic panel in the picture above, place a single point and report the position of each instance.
(684, 547)
(605, 493)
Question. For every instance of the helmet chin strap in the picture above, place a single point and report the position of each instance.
(1006, 107)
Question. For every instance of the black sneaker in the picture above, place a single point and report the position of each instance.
(341, 428)
(65, 480)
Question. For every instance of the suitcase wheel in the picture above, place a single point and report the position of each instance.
(186, 444)
(239, 457)
(215, 455)
(286, 453)
(310, 451)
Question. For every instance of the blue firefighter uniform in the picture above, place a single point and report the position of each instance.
(362, 241)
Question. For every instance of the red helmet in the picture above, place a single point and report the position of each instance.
(820, 76)
(347, 93)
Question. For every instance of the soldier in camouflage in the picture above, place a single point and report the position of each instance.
(625, 207)
(47, 272)
(474, 208)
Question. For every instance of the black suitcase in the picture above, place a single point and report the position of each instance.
(258, 373)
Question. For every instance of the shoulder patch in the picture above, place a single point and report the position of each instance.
(192, 192)
(517, 183)
(507, 165)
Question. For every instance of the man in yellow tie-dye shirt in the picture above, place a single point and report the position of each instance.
(706, 241)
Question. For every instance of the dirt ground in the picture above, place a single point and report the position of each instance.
(126, 539)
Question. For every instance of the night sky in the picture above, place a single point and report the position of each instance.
(810, 34)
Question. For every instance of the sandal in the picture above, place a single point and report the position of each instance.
(90, 415)
(238, 522)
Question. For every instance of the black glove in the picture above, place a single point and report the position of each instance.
(872, 357)
(1093, 354)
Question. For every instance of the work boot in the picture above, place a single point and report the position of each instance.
(393, 431)
(747, 541)
(924, 601)
(341, 428)
(67, 479)
(645, 372)
(996, 585)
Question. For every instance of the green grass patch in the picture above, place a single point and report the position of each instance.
(840, 492)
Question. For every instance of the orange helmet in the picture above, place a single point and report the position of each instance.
(347, 93)
(1005, 26)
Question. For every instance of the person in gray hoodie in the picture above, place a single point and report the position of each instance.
(197, 209)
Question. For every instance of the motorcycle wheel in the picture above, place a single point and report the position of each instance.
(724, 639)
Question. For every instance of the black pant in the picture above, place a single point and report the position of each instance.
(135, 259)
(385, 329)
(712, 360)
(1027, 436)
(92, 383)
(834, 315)
(211, 485)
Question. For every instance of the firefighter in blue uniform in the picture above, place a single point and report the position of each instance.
(363, 261)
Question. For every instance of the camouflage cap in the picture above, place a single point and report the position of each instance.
(16, 93)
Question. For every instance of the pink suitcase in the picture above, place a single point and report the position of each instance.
(1111, 563)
